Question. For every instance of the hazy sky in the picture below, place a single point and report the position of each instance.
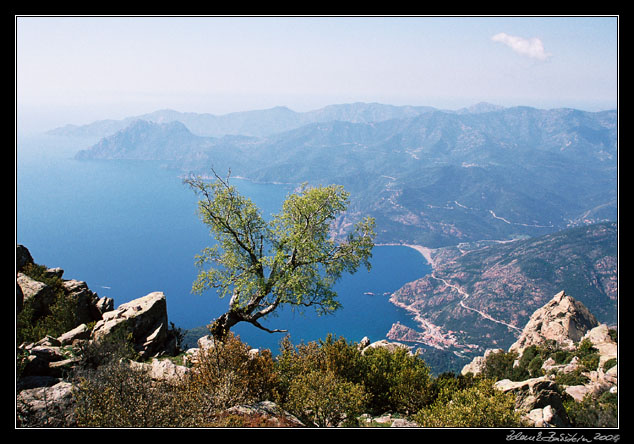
(81, 69)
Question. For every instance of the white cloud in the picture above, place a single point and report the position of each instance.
(533, 47)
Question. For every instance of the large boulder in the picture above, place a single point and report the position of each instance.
(388, 345)
(538, 400)
(39, 295)
(79, 333)
(161, 369)
(22, 257)
(145, 319)
(265, 413)
(478, 364)
(46, 358)
(603, 342)
(47, 406)
(563, 320)
(85, 301)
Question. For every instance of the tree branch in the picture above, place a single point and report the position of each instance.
(260, 326)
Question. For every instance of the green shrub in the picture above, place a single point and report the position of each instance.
(593, 412)
(393, 380)
(572, 378)
(585, 348)
(321, 382)
(499, 366)
(333, 355)
(534, 367)
(614, 334)
(562, 356)
(323, 399)
(450, 382)
(590, 362)
(227, 374)
(397, 381)
(480, 405)
(607, 365)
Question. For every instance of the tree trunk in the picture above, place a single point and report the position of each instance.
(221, 326)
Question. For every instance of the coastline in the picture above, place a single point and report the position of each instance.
(424, 251)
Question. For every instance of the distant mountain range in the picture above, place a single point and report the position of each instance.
(262, 122)
(430, 177)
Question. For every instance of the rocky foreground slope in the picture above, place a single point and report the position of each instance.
(44, 391)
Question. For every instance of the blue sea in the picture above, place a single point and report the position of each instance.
(128, 228)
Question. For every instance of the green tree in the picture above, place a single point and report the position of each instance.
(290, 260)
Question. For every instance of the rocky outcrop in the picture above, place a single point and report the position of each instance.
(145, 319)
(477, 365)
(88, 306)
(538, 400)
(603, 342)
(563, 320)
(161, 369)
(44, 396)
(365, 345)
(37, 294)
(47, 406)
(22, 257)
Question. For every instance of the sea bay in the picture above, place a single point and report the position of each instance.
(128, 228)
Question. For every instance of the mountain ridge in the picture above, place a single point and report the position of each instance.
(250, 123)
(462, 177)
(278, 118)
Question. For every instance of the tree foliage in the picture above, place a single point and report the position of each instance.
(290, 260)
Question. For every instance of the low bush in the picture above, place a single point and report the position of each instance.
(594, 412)
(324, 399)
(480, 405)
(324, 383)
(227, 374)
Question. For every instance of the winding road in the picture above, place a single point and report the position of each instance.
(465, 296)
